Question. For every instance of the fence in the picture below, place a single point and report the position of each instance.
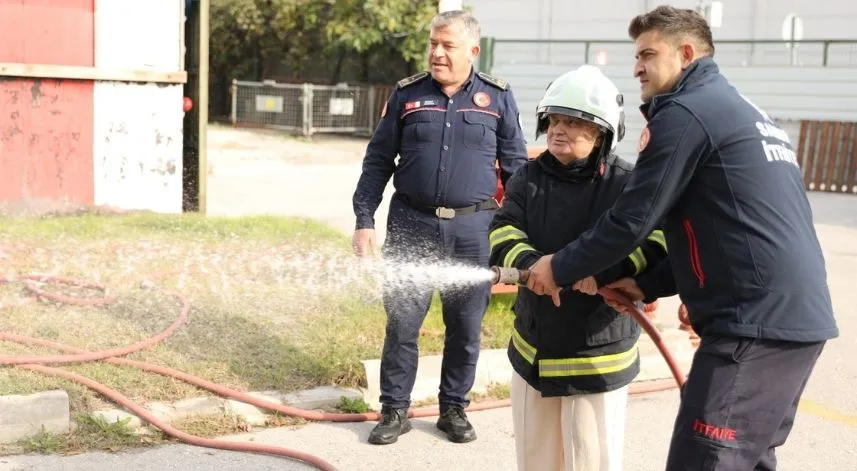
(307, 108)
(729, 53)
(827, 153)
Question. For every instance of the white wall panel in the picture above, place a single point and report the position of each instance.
(139, 34)
(137, 155)
(137, 129)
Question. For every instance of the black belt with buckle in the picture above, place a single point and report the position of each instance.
(449, 213)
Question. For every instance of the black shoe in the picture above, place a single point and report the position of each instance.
(394, 422)
(454, 422)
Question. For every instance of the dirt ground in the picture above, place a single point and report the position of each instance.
(259, 172)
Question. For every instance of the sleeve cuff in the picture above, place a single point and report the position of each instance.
(526, 260)
(559, 264)
(364, 222)
(648, 285)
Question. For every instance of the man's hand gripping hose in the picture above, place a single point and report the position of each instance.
(33, 283)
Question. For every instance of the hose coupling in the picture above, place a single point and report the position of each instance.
(509, 276)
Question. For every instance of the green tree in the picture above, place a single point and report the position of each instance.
(366, 25)
(314, 39)
(249, 37)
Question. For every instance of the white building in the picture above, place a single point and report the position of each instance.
(608, 19)
(734, 23)
(811, 89)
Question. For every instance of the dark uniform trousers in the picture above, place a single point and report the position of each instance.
(739, 403)
(415, 236)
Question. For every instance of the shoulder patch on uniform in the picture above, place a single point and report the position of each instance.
(412, 79)
(496, 81)
(644, 140)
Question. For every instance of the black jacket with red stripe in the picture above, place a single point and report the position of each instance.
(723, 178)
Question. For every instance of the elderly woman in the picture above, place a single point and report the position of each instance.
(573, 355)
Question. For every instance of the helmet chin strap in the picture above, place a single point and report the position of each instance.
(598, 155)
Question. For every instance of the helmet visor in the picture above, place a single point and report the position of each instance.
(574, 113)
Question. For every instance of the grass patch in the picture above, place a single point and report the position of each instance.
(494, 392)
(353, 406)
(276, 304)
(211, 426)
(89, 434)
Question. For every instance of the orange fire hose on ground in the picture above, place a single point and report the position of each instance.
(77, 355)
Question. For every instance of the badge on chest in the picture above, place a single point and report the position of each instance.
(482, 99)
(412, 105)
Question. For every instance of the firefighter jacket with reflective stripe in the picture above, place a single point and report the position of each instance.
(583, 346)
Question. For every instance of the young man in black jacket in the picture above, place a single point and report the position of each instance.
(574, 356)
(723, 178)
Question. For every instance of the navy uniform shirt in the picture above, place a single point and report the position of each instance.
(447, 146)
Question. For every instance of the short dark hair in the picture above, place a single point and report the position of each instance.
(674, 22)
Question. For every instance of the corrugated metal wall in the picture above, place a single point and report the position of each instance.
(608, 19)
(811, 89)
(787, 94)
(732, 53)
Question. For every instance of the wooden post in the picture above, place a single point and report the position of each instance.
(202, 103)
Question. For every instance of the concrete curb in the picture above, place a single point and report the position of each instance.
(25, 416)
(22, 417)
(317, 398)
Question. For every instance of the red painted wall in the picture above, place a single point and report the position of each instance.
(46, 125)
(46, 141)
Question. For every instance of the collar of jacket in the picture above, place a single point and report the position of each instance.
(696, 73)
(575, 172)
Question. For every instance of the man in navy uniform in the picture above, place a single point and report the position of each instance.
(449, 128)
(743, 252)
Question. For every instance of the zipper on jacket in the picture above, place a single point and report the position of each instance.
(694, 253)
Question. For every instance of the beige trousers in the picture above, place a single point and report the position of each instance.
(572, 433)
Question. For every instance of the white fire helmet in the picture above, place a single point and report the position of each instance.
(585, 93)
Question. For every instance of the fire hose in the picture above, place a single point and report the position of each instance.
(514, 276)
(77, 355)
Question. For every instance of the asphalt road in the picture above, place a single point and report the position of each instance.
(817, 444)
